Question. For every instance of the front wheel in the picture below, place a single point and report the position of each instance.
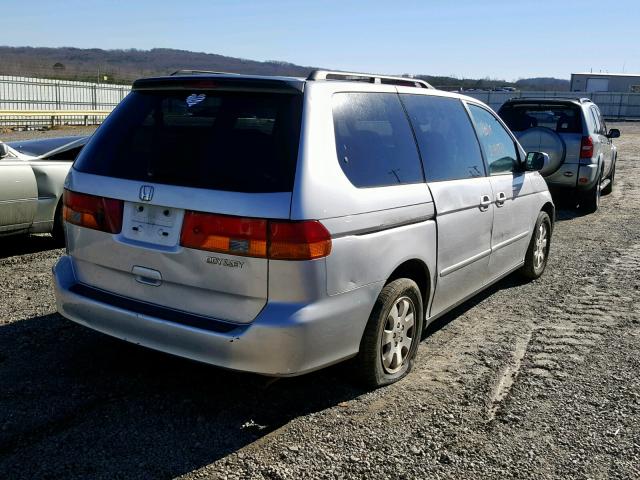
(58, 226)
(391, 337)
(535, 260)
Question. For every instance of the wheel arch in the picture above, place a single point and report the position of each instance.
(550, 210)
(418, 271)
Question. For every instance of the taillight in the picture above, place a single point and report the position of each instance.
(225, 234)
(586, 147)
(304, 240)
(251, 237)
(90, 211)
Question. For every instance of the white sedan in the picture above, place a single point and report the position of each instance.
(32, 175)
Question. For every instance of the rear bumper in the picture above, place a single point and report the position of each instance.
(573, 176)
(285, 339)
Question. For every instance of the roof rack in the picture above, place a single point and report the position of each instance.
(368, 78)
(200, 72)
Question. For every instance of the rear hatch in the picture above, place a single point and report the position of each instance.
(551, 127)
(171, 201)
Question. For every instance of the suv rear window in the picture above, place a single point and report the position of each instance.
(559, 118)
(220, 140)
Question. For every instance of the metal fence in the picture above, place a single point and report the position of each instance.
(45, 95)
(613, 105)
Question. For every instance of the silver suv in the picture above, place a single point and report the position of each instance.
(582, 158)
(280, 225)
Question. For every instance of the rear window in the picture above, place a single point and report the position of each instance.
(374, 142)
(559, 118)
(234, 141)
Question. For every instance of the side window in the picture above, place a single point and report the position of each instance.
(499, 148)
(445, 135)
(596, 120)
(374, 142)
(603, 126)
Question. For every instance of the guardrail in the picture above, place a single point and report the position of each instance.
(52, 117)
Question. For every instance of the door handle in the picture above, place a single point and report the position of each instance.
(500, 199)
(485, 201)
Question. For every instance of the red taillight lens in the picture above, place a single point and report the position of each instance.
(225, 234)
(253, 237)
(586, 147)
(90, 211)
(298, 240)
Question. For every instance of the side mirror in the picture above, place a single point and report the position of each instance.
(613, 133)
(4, 151)
(536, 161)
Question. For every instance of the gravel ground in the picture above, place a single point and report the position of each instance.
(528, 380)
(9, 135)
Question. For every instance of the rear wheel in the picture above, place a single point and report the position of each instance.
(392, 335)
(609, 188)
(590, 201)
(535, 261)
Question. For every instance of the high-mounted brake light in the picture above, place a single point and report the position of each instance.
(253, 237)
(90, 211)
(586, 147)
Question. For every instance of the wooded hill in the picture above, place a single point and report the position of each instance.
(124, 66)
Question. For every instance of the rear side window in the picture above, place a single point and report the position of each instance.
(559, 118)
(374, 142)
(448, 144)
(499, 147)
(234, 141)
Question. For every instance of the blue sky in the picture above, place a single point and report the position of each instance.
(497, 39)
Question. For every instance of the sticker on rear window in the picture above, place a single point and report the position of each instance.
(195, 99)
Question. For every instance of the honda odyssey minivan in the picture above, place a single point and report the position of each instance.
(279, 225)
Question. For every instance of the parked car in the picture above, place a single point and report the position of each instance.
(279, 225)
(32, 177)
(575, 136)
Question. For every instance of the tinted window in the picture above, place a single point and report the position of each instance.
(445, 135)
(68, 155)
(374, 142)
(600, 127)
(40, 147)
(559, 118)
(499, 148)
(235, 141)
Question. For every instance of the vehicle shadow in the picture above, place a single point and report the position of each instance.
(25, 244)
(511, 281)
(79, 404)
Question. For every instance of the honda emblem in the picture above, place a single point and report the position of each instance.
(146, 193)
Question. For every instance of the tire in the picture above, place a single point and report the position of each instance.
(590, 200)
(609, 188)
(58, 226)
(535, 260)
(385, 355)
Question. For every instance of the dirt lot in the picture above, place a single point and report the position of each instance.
(529, 380)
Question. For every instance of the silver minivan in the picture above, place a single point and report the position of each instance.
(279, 225)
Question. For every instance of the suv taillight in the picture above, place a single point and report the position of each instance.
(586, 147)
(252, 237)
(90, 211)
